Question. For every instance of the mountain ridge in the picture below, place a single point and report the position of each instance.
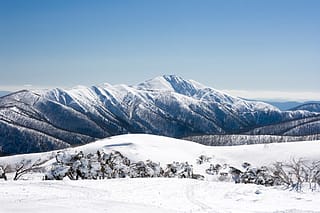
(166, 105)
(311, 107)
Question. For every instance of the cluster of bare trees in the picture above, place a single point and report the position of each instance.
(297, 172)
(21, 168)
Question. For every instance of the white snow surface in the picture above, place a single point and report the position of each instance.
(163, 194)
(150, 195)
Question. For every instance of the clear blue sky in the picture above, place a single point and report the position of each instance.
(241, 45)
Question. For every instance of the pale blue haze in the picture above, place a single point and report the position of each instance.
(246, 45)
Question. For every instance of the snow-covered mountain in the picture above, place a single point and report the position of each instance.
(32, 121)
(286, 105)
(311, 107)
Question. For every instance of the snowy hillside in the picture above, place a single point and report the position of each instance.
(167, 105)
(166, 150)
(162, 194)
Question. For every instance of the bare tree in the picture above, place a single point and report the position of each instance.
(297, 172)
(3, 171)
(24, 167)
(312, 173)
(280, 174)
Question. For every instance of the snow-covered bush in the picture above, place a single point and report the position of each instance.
(75, 166)
(119, 165)
(213, 169)
(248, 174)
(180, 170)
(58, 172)
(91, 166)
(222, 172)
(203, 159)
(261, 176)
(112, 165)
(148, 169)
(291, 174)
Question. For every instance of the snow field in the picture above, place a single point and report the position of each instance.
(150, 195)
(162, 194)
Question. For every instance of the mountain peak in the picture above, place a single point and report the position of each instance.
(179, 85)
(175, 78)
(157, 83)
(172, 83)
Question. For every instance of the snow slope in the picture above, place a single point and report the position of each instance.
(150, 195)
(162, 194)
(166, 150)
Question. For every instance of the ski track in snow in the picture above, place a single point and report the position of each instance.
(190, 192)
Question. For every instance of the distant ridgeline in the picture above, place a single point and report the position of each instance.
(3, 93)
(35, 121)
(232, 140)
(312, 106)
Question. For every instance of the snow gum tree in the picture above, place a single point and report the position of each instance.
(3, 172)
(26, 166)
(296, 172)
